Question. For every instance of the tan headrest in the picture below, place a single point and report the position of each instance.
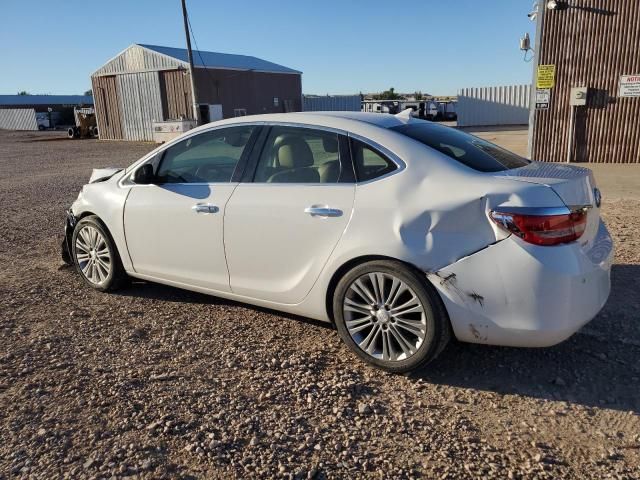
(236, 137)
(293, 152)
(330, 144)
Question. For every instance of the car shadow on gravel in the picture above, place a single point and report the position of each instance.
(597, 367)
(156, 291)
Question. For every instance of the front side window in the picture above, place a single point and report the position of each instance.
(209, 157)
(369, 163)
(472, 151)
(299, 155)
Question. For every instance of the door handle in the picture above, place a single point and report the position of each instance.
(205, 208)
(322, 211)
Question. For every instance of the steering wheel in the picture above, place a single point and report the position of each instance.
(206, 172)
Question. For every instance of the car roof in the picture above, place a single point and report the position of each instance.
(383, 120)
(339, 120)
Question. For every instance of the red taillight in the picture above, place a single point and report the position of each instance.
(543, 229)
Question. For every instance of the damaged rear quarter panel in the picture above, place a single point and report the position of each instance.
(432, 213)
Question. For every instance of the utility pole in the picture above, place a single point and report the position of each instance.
(196, 110)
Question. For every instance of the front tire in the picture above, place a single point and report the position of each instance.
(388, 314)
(95, 255)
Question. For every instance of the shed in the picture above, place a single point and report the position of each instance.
(31, 112)
(149, 83)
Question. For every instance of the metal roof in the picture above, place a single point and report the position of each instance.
(46, 100)
(221, 60)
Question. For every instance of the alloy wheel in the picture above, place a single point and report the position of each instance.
(384, 316)
(93, 255)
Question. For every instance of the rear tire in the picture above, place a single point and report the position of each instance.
(96, 257)
(390, 316)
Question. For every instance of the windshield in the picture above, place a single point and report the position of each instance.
(472, 151)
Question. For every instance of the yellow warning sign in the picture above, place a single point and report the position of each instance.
(546, 77)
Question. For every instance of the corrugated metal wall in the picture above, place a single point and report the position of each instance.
(175, 90)
(140, 104)
(505, 105)
(592, 43)
(349, 103)
(253, 91)
(18, 119)
(105, 93)
(137, 59)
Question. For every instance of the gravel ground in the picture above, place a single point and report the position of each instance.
(156, 382)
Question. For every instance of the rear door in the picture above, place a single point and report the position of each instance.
(174, 227)
(284, 220)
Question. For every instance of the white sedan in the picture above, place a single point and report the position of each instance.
(398, 231)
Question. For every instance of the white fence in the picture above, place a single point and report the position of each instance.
(507, 105)
(18, 119)
(313, 103)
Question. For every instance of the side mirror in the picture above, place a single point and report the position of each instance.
(144, 175)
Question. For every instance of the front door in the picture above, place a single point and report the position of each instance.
(174, 227)
(281, 227)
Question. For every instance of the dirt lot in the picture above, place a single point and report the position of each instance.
(157, 382)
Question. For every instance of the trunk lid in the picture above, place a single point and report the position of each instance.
(575, 186)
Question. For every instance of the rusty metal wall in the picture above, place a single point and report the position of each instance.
(253, 91)
(504, 105)
(175, 90)
(18, 119)
(140, 104)
(107, 105)
(591, 43)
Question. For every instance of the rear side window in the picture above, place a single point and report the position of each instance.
(299, 155)
(472, 151)
(368, 162)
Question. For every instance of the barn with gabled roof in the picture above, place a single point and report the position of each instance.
(148, 83)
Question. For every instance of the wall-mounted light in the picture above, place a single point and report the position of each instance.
(557, 5)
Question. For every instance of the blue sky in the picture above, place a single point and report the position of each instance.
(343, 46)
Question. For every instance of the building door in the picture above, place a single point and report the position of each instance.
(107, 105)
(175, 91)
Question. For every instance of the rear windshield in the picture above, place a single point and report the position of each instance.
(472, 151)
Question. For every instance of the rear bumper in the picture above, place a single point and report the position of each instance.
(516, 294)
(69, 225)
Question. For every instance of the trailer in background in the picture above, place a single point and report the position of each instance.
(425, 109)
(447, 111)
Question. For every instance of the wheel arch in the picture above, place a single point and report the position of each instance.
(89, 213)
(354, 262)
